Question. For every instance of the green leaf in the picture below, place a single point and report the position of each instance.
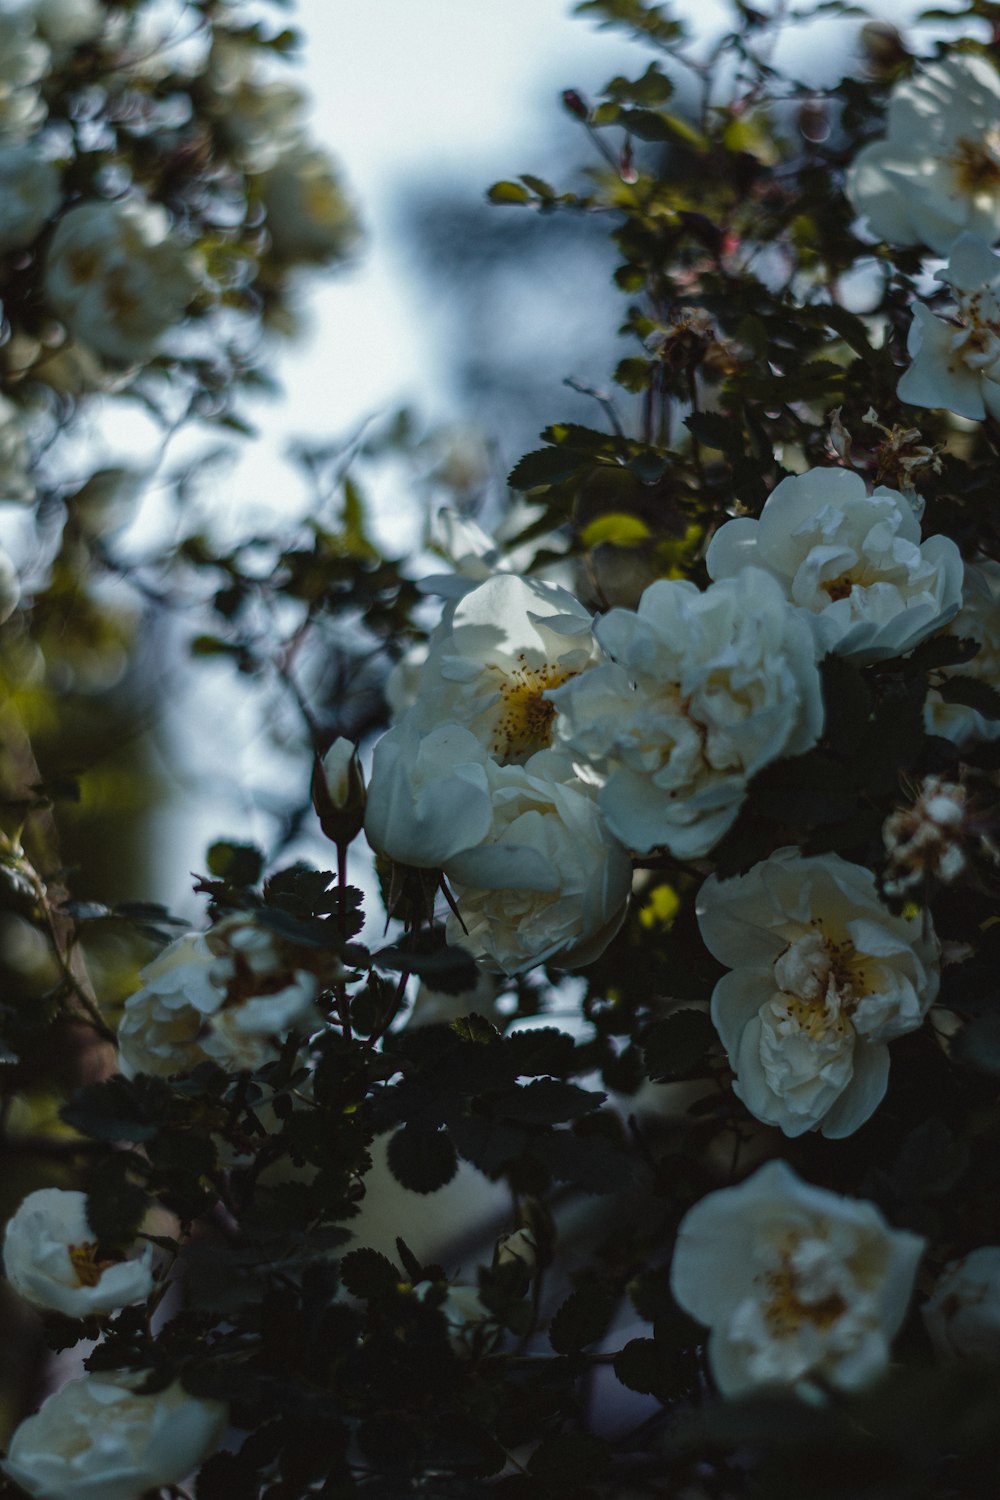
(237, 864)
(538, 185)
(655, 125)
(508, 192)
(971, 692)
(634, 374)
(119, 1109)
(652, 88)
(716, 431)
(368, 1274)
(422, 1160)
(115, 1206)
(583, 1319)
(673, 1047)
(545, 466)
(547, 1101)
(450, 970)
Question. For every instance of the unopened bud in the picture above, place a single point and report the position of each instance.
(573, 102)
(338, 791)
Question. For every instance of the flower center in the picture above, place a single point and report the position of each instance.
(524, 717)
(86, 1266)
(788, 1307)
(977, 163)
(820, 985)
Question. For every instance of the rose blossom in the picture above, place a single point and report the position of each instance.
(99, 1439)
(799, 1286)
(956, 362)
(548, 883)
(822, 978)
(702, 691)
(228, 994)
(962, 1314)
(50, 1256)
(493, 661)
(117, 279)
(937, 171)
(852, 562)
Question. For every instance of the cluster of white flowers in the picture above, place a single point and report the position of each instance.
(800, 1287)
(230, 995)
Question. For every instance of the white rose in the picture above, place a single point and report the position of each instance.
(962, 1314)
(853, 562)
(799, 1286)
(499, 651)
(937, 171)
(98, 1439)
(978, 620)
(956, 362)
(117, 279)
(50, 1256)
(428, 796)
(29, 195)
(15, 455)
(309, 218)
(227, 994)
(548, 884)
(703, 691)
(24, 58)
(823, 977)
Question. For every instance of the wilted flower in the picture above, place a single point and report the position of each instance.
(548, 883)
(99, 1437)
(800, 1287)
(853, 562)
(703, 690)
(24, 58)
(956, 362)
(229, 994)
(937, 171)
(309, 217)
(117, 279)
(978, 620)
(926, 839)
(29, 195)
(823, 978)
(962, 1314)
(51, 1257)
